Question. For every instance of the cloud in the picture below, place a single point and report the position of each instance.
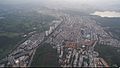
(107, 14)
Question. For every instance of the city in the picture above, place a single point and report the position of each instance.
(60, 33)
(74, 38)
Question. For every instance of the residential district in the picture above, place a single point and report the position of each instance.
(73, 36)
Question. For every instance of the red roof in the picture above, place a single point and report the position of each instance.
(84, 42)
(71, 45)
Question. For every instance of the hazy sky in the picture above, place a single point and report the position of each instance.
(76, 3)
(69, 1)
(73, 1)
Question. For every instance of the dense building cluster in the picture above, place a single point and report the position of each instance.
(75, 41)
(74, 37)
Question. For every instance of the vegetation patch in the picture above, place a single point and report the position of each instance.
(45, 56)
(109, 53)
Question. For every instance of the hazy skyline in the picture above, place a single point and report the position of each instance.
(111, 4)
